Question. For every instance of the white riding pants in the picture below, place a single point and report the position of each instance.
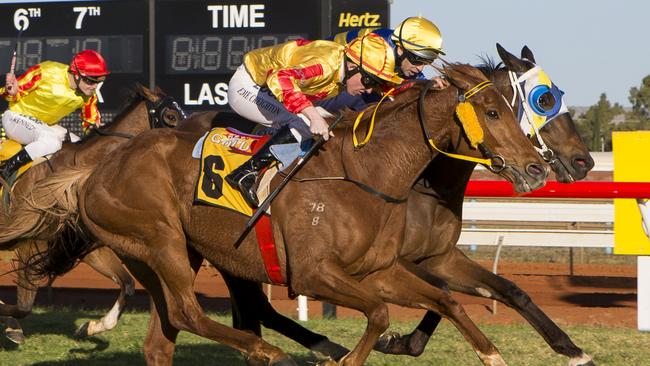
(260, 105)
(38, 138)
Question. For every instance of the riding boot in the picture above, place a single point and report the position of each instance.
(245, 176)
(12, 164)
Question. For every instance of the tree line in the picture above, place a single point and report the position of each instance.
(597, 123)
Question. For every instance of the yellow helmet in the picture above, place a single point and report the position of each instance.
(420, 37)
(374, 56)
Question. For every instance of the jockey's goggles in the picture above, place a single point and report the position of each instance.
(419, 60)
(368, 80)
(91, 80)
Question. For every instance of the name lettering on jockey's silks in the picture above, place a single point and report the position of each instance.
(238, 142)
(364, 20)
(206, 96)
(316, 207)
(237, 16)
(260, 102)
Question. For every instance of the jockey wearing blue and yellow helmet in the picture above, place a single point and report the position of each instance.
(416, 42)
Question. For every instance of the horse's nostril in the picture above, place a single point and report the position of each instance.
(536, 171)
(582, 163)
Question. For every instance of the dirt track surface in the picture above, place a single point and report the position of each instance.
(594, 295)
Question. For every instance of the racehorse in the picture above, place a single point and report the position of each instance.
(350, 257)
(145, 109)
(439, 208)
(436, 203)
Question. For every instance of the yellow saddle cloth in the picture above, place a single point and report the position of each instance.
(9, 148)
(224, 149)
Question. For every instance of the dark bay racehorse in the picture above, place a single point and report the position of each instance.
(350, 257)
(144, 110)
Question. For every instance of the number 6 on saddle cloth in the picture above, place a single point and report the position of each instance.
(222, 150)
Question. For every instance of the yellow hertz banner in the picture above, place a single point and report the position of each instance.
(631, 149)
(218, 158)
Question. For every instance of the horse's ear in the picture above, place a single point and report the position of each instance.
(511, 61)
(527, 54)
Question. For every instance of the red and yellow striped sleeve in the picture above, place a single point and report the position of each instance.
(287, 84)
(27, 82)
(90, 114)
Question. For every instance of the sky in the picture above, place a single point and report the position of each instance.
(587, 47)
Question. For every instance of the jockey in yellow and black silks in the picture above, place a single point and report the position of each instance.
(276, 87)
(41, 97)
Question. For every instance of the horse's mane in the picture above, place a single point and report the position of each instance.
(489, 66)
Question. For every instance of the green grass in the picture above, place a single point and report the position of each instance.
(50, 342)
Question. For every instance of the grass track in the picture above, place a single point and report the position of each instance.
(50, 342)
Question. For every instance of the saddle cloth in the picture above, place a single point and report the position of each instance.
(222, 151)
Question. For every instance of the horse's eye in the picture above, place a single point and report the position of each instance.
(492, 114)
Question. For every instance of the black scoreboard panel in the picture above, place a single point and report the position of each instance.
(197, 44)
(200, 44)
(56, 31)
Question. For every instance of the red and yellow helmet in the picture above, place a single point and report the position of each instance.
(374, 56)
(88, 63)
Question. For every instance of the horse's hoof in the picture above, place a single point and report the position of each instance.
(15, 336)
(82, 331)
(327, 349)
(590, 363)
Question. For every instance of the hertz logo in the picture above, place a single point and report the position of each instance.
(353, 20)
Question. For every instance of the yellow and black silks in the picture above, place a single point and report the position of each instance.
(223, 151)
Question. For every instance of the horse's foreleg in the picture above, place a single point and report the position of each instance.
(328, 282)
(404, 284)
(104, 261)
(251, 309)
(465, 275)
(172, 266)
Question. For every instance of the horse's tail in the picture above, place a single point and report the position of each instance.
(51, 205)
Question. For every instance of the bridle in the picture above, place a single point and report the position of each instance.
(155, 113)
(494, 162)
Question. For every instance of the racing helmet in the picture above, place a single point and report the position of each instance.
(374, 56)
(420, 37)
(88, 63)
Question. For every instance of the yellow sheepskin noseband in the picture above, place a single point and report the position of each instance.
(469, 121)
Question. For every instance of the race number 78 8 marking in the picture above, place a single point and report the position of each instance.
(315, 208)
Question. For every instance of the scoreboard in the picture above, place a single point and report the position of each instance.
(189, 48)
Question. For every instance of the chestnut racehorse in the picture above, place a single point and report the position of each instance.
(140, 204)
(144, 109)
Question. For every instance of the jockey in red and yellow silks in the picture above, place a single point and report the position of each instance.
(276, 87)
(41, 97)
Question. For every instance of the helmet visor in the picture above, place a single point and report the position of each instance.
(422, 56)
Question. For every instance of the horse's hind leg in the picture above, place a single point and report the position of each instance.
(403, 284)
(251, 308)
(104, 261)
(465, 275)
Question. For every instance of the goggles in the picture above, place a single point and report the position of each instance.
(417, 60)
(92, 80)
(370, 81)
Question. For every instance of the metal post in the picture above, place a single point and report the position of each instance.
(499, 243)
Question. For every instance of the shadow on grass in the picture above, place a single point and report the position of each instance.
(212, 354)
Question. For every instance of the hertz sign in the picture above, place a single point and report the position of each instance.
(351, 14)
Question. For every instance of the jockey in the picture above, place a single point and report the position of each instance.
(416, 42)
(41, 97)
(276, 85)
